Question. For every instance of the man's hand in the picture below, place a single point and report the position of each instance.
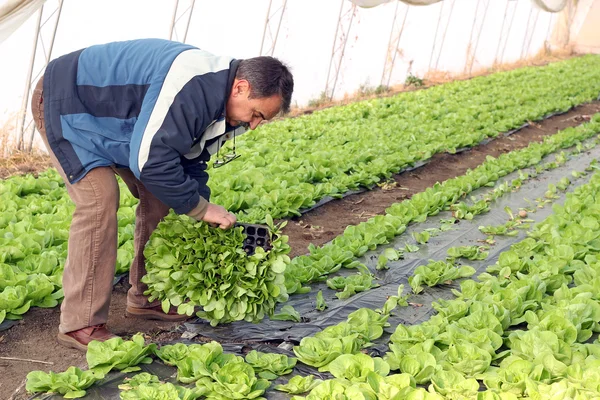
(219, 216)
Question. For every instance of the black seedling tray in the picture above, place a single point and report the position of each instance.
(256, 236)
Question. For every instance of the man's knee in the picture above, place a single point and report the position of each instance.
(98, 189)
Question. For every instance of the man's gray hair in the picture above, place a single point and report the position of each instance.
(267, 77)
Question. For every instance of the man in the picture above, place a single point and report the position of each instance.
(153, 112)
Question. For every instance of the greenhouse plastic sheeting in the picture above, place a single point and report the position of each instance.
(280, 336)
(108, 389)
(7, 324)
(13, 13)
(369, 3)
(375, 3)
(551, 5)
(420, 2)
(546, 5)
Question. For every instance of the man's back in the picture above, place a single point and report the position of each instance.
(118, 103)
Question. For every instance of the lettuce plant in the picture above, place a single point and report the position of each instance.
(287, 313)
(299, 384)
(119, 354)
(191, 264)
(356, 367)
(161, 391)
(269, 365)
(137, 380)
(321, 304)
(71, 383)
(437, 272)
(235, 380)
(352, 284)
(319, 352)
(203, 361)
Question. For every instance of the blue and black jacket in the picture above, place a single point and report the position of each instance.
(154, 106)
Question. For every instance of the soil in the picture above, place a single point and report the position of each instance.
(34, 337)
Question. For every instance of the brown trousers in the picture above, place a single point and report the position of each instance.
(92, 254)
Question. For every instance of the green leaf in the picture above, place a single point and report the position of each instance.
(270, 366)
(118, 354)
(321, 305)
(299, 384)
(411, 248)
(288, 313)
(74, 394)
(421, 237)
(166, 306)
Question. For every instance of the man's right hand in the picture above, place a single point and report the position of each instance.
(219, 216)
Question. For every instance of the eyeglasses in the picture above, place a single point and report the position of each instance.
(227, 158)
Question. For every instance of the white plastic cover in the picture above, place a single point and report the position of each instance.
(375, 3)
(369, 3)
(546, 5)
(420, 2)
(551, 5)
(13, 13)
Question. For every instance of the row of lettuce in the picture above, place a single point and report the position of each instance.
(450, 269)
(523, 329)
(289, 165)
(189, 265)
(548, 282)
(358, 239)
(236, 287)
(35, 216)
(35, 243)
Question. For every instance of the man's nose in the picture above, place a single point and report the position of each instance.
(254, 123)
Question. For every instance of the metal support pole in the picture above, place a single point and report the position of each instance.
(262, 43)
(173, 18)
(501, 32)
(509, 29)
(25, 100)
(393, 46)
(471, 37)
(474, 23)
(339, 47)
(269, 41)
(25, 125)
(180, 21)
(437, 28)
(437, 61)
(335, 38)
(526, 30)
(387, 54)
(487, 6)
(537, 15)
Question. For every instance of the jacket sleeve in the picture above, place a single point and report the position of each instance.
(155, 159)
(175, 111)
(197, 171)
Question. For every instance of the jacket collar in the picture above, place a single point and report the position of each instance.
(233, 67)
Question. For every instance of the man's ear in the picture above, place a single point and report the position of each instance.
(240, 87)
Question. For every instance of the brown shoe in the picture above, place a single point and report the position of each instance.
(79, 339)
(156, 313)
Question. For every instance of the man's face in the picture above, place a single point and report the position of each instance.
(241, 109)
